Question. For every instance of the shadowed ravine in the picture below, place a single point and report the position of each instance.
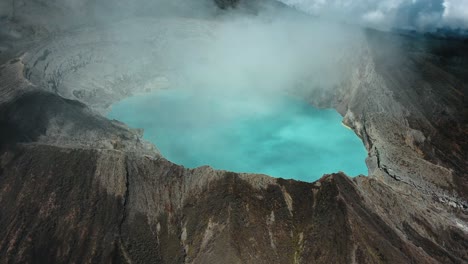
(77, 187)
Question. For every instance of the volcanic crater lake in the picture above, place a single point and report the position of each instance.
(281, 136)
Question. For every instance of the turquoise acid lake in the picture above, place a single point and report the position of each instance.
(281, 137)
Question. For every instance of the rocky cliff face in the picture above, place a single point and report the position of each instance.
(77, 187)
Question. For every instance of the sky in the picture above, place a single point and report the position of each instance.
(422, 15)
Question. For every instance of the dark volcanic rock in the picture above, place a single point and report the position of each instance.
(52, 212)
(76, 187)
(132, 213)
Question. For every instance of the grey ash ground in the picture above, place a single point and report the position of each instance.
(76, 187)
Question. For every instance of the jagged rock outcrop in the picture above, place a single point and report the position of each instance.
(77, 187)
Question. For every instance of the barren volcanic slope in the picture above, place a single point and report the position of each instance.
(76, 187)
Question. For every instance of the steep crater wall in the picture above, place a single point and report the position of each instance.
(101, 194)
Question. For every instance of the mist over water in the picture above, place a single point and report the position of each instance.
(235, 89)
(245, 134)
